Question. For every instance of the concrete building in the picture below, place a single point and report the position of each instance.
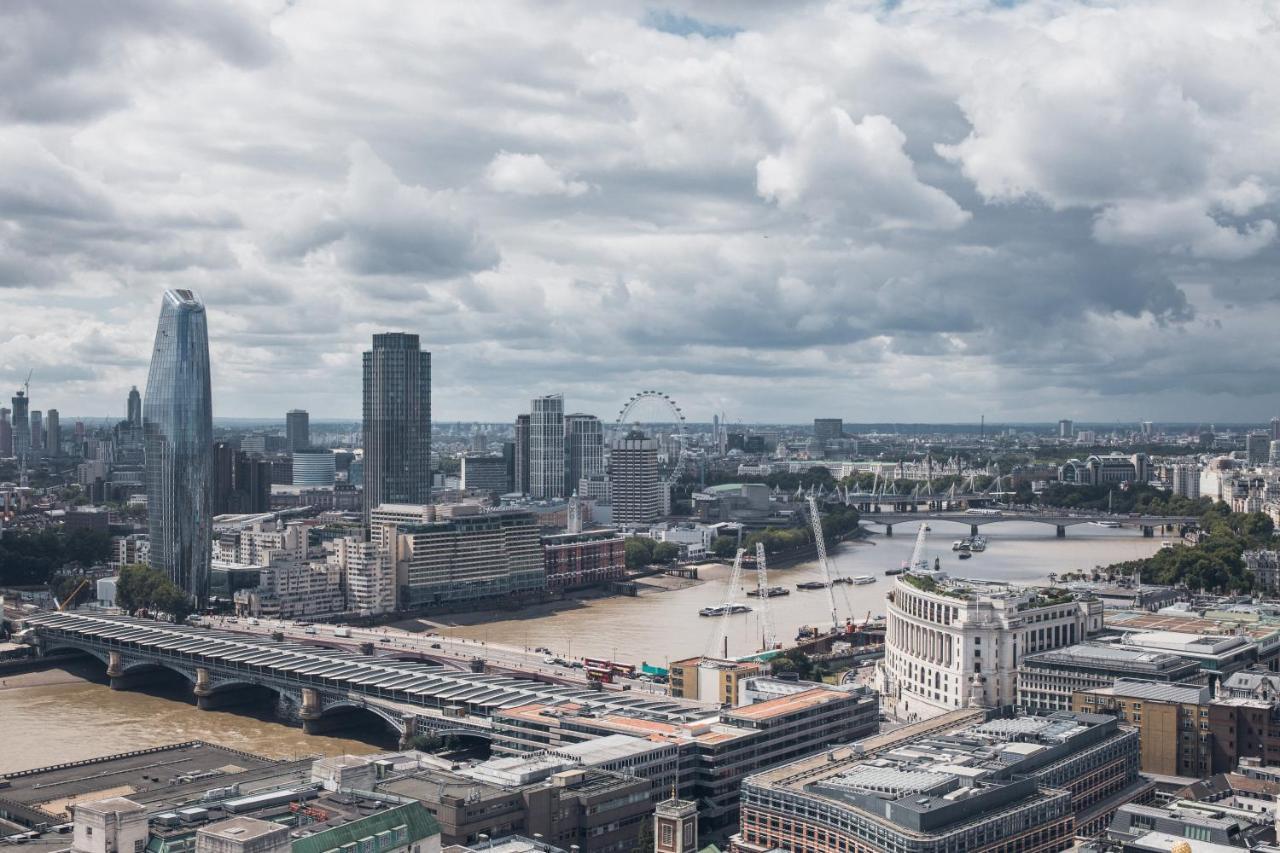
(113, 825)
(243, 835)
(37, 434)
(957, 644)
(746, 503)
(637, 488)
(485, 473)
(1257, 447)
(1028, 784)
(314, 466)
(367, 575)
(177, 422)
(21, 425)
(1066, 429)
(297, 430)
(1172, 722)
(711, 679)
(1047, 680)
(584, 450)
(583, 559)
(6, 434)
(1106, 470)
(1265, 567)
(397, 422)
(241, 482)
(496, 554)
(1185, 481)
(546, 447)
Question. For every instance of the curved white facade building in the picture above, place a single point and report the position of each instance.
(956, 643)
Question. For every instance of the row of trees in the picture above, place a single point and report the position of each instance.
(643, 551)
(30, 559)
(1217, 563)
(836, 523)
(145, 588)
(1139, 498)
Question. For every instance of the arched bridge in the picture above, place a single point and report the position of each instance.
(1060, 520)
(322, 685)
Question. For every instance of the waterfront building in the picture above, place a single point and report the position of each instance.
(1172, 721)
(710, 679)
(520, 456)
(297, 430)
(367, 575)
(746, 503)
(177, 424)
(584, 559)
(133, 408)
(21, 425)
(827, 429)
(468, 558)
(313, 466)
(584, 450)
(1047, 680)
(6, 434)
(52, 434)
(485, 474)
(546, 447)
(636, 485)
(1030, 783)
(397, 422)
(958, 644)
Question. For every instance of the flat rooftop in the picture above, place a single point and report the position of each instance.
(790, 704)
(1138, 620)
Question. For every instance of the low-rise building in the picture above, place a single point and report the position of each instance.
(710, 679)
(1172, 722)
(575, 560)
(1047, 680)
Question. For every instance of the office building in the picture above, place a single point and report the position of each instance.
(584, 450)
(1275, 429)
(1065, 428)
(297, 430)
(1172, 722)
(546, 447)
(241, 482)
(367, 575)
(37, 434)
(1257, 447)
(957, 644)
(1024, 784)
(6, 434)
(21, 425)
(133, 408)
(1186, 481)
(1108, 470)
(177, 424)
(467, 558)
(582, 559)
(636, 485)
(313, 466)
(485, 474)
(827, 429)
(714, 679)
(52, 434)
(397, 422)
(1047, 680)
(520, 461)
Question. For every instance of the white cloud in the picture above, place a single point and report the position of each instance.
(529, 174)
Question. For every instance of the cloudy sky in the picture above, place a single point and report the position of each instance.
(882, 211)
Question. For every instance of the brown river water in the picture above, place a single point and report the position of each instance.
(55, 716)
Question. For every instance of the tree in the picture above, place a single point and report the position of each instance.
(665, 552)
(639, 551)
(724, 547)
(142, 587)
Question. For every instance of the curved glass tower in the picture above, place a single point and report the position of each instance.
(177, 422)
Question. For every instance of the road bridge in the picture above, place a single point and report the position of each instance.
(1060, 520)
(324, 688)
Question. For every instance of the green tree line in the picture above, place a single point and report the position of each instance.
(30, 559)
(1217, 563)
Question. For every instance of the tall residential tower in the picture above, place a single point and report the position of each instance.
(584, 450)
(546, 447)
(297, 429)
(177, 422)
(397, 422)
(134, 408)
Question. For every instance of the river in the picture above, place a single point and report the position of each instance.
(56, 716)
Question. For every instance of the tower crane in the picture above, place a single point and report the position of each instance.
(762, 589)
(721, 630)
(918, 562)
(815, 521)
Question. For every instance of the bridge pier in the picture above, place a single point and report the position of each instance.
(1062, 531)
(888, 530)
(1148, 531)
(408, 728)
(973, 530)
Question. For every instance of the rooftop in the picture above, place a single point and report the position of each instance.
(1155, 691)
(1107, 656)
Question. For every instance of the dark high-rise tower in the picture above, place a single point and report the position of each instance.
(37, 434)
(584, 450)
(21, 426)
(134, 412)
(520, 463)
(6, 434)
(52, 434)
(297, 430)
(177, 422)
(397, 422)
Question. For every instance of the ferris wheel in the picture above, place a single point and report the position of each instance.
(655, 400)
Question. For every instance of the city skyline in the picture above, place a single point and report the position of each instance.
(664, 214)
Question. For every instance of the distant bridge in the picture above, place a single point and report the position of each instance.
(325, 687)
(1060, 520)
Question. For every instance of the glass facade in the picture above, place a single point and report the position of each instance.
(177, 420)
(546, 447)
(397, 422)
(584, 443)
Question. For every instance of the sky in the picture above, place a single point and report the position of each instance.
(897, 211)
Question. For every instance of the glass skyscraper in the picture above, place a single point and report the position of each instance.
(177, 422)
(397, 422)
(584, 450)
(546, 447)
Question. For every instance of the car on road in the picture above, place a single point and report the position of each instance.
(435, 645)
(549, 659)
(385, 640)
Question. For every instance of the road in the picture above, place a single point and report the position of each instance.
(458, 650)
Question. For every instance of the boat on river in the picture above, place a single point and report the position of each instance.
(771, 592)
(721, 609)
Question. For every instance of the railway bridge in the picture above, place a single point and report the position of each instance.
(325, 688)
(1060, 520)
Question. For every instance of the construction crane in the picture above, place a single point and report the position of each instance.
(70, 599)
(815, 521)
(918, 562)
(762, 589)
(720, 633)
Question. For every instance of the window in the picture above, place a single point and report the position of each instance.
(668, 835)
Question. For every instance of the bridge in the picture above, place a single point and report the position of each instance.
(325, 688)
(1060, 520)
